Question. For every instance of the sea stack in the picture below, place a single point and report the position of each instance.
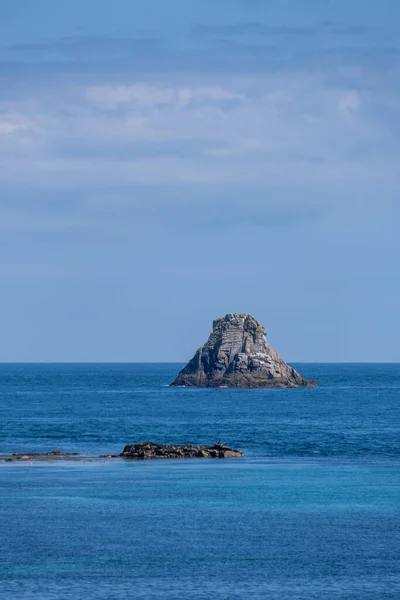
(237, 354)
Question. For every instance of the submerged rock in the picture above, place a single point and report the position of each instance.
(237, 354)
(148, 450)
(52, 454)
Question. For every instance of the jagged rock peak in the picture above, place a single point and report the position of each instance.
(237, 354)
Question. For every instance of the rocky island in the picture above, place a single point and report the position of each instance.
(140, 451)
(237, 354)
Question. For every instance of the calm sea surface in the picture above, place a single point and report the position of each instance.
(311, 511)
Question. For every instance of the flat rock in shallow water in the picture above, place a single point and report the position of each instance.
(237, 354)
(42, 456)
(147, 450)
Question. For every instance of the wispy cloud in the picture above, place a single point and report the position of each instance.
(12, 122)
(150, 96)
(242, 47)
(268, 122)
(260, 30)
(85, 49)
(255, 29)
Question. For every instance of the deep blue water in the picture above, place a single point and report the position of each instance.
(311, 511)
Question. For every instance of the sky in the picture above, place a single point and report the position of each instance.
(165, 163)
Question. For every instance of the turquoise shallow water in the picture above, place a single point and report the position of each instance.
(311, 511)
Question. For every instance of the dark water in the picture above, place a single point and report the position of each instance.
(311, 511)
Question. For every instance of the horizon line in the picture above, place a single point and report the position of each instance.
(166, 362)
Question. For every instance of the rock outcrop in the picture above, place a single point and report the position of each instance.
(149, 450)
(237, 354)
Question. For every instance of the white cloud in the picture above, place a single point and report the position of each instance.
(149, 96)
(349, 103)
(206, 94)
(12, 122)
(141, 94)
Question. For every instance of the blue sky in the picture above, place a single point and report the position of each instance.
(164, 163)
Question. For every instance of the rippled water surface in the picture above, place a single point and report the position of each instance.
(311, 511)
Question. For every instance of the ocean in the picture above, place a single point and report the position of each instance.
(312, 510)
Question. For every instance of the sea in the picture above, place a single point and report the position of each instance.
(311, 511)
